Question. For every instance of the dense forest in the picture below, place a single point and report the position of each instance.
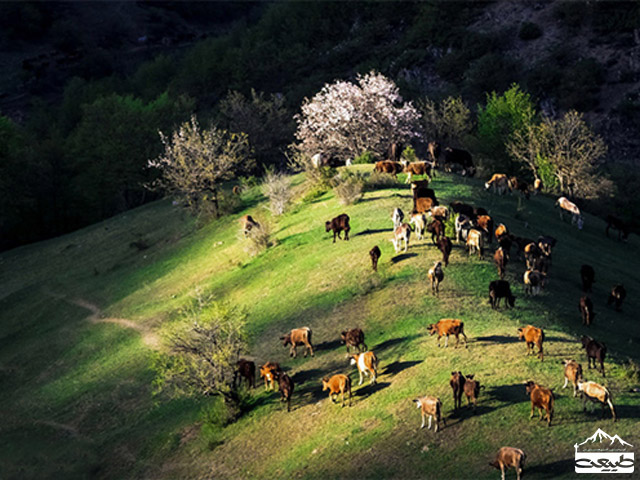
(86, 87)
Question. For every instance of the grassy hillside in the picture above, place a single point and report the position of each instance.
(79, 317)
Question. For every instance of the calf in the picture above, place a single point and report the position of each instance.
(286, 388)
(367, 364)
(337, 384)
(485, 223)
(423, 204)
(440, 213)
(401, 234)
(338, 225)
(501, 289)
(532, 336)
(298, 336)
(268, 372)
(457, 385)
(509, 457)
(570, 207)
(533, 282)
(247, 370)
(531, 254)
(436, 229)
(475, 242)
(472, 390)
(573, 374)
(375, 254)
(596, 351)
(588, 277)
(417, 168)
(353, 338)
(623, 228)
(500, 259)
(462, 225)
(446, 327)
(596, 393)
(435, 275)
(247, 223)
(444, 245)
(585, 307)
(498, 183)
(396, 217)
(419, 221)
(617, 296)
(542, 399)
(463, 209)
(430, 407)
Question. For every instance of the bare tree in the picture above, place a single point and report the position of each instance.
(195, 161)
(276, 186)
(448, 121)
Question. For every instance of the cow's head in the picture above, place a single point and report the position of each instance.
(585, 341)
(327, 225)
(520, 333)
(286, 340)
(417, 402)
(432, 329)
(511, 299)
(343, 335)
(354, 358)
(529, 386)
(325, 383)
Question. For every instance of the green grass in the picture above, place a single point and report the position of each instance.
(76, 387)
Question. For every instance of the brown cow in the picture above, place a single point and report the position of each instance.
(500, 259)
(475, 242)
(247, 370)
(501, 230)
(417, 168)
(509, 457)
(337, 384)
(585, 307)
(339, 224)
(436, 229)
(298, 336)
(596, 351)
(573, 374)
(367, 364)
(457, 385)
(596, 393)
(389, 167)
(542, 399)
(286, 387)
(268, 371)
(531, 254)
(444, 245)
(375, 254)
(423, 204)
(498, 183)
(435, 275)
(446, 327)
(472, 390)
(617, 296)
(532, 336)
(485, 222)
(247, 223)
(431, 407)
(353, 338)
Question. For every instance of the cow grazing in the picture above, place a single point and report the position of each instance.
(337, 384)
(423, 204)
(247, 370)
(617, 296)
(400, 235)
(298, 336)
(247, 223)
(570, 207)
(485, 223)
(417, 168)
(531, 254)
(463, 209)
(436, 275)
(500, 259)
(532, 336)
(444, 245)
(353, 338)
(501, 231)
(367, 364)
(338, 225)
(446, 327)
(516, 184)
(537, 186)
(268, 371)
(419, 221)
(505, 242)
(388, 167)
(457, 385)
(596, 393)
(436, 229)
(546, 244)
(375, 254)
(573, 374)
(533, 282)
(439, 213)
(623, 228)
(462, 225)
(472, 391)
(501, 289)
(397, 216)
(286, 387)
(475, 242)
(542, 399)
(455, 157)
(585, 307)
(498, 184)
(508, 457)
(596, 351)
(588, 277)
(431, 407)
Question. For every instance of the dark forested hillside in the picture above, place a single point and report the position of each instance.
(86, 86)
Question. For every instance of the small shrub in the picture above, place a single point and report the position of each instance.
(380, 180)
(365, 157)
(409, 154)
(277, 188)
(259, 239)
(348, 187)
(529, 31)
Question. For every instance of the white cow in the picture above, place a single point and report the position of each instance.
(572, 208)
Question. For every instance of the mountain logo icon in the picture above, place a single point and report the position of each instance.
(603, 453)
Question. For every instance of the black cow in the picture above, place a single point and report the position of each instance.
(501, 289)
(588, 276)
(617, 296)
(339, 224)
(596, 351)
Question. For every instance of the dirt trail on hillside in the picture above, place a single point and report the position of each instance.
(149, 338)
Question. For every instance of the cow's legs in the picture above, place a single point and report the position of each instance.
(502, 470)
(423, 419)
(429, 427)
(566, 381)
(446, 341)
(361, 377)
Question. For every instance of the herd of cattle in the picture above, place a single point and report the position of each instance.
(474, 228)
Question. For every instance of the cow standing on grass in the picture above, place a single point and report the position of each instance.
(338, 384)
(298, 336)
(446, 327)
(541, 399)
(431, 407)
(509, 457)
(532, 336)
(353, 338)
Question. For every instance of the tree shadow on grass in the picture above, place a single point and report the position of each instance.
(402, 256)
(396, 367)
(369, 231)
(551, 470)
